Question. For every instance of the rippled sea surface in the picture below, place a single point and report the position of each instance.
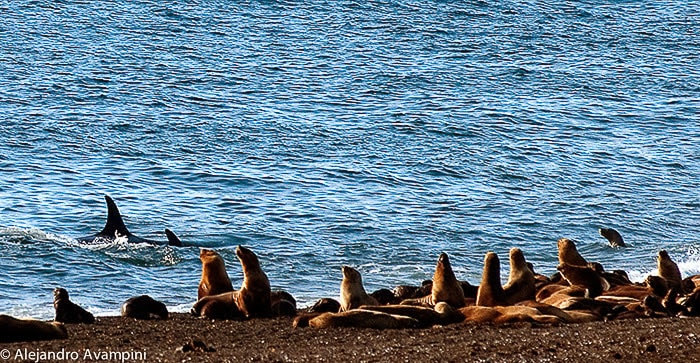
(374, 134)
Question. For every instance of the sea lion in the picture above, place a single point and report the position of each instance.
(23, 330)
(425, 316)
(67, 311)
(490, 289)
(585, 277)
(385, 297)
(214, 279)
(657, 284)
(446, 288)
(325, 305)
(363, 319)
(404, 292)
(521, 280)
(568, 253)
(283, 303)
(144, 307)
(352, 293)
(253, 298)
(115, 229)
(221, 306)
(669, 271)
(506, 314)
(614, 238)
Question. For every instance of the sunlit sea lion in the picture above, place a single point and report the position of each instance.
(23, 330)
(490, 290)
(669, 271)
(358, 318)
(253, 299)
(521, 280)
(568, 253)
(67, 311)
(585, 277)
(214, 278)
(446, 288)
(614, 238)
(352, 292)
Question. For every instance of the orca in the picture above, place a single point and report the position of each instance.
(116, 229)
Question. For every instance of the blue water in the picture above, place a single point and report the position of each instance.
(374, 134)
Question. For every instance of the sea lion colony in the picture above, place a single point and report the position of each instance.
(580, 291)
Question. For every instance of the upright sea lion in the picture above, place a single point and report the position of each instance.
(67, 311)
(446, 288)
(568, 253)
(669, 271)
(116, 229)
(614, 238)
(521, 280)
(23, 330)
(253, 299)
(352, 293)
(490, 290)
(214, 279)
(144, 307)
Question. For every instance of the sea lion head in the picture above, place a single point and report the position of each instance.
(249, 261)
(60, 294)
(443, 269)
(568, 253)
(351, 275)
(209, 256)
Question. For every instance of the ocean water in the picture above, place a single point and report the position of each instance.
(374, 134)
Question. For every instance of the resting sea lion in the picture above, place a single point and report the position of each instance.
(23, 330)
(352, 293)
(521, 280)
(363, 319)
(669, 271)
(325, 305)
(490, 290)
(283, 303)
(214, 279)
(67, 311)
(585, 277)
(568, 253)
(221, 306)
(426, 316)
(144, 307)
(614, 238)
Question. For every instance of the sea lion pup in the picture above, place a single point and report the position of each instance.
(352, 293)
(521, 280)
(67, 311)
(144, 307)
(23, 330)
(614, 238)
(490, 289)
(214, 279)
(585, 277)
(568, 253)
(283, 303)
(253, 298)
(358, 318)
(669, 271)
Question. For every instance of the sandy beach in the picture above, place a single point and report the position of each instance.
(275, 340)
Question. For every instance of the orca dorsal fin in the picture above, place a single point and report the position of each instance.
(173, 240)
(115, 225)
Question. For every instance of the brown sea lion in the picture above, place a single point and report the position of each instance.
(214, 279)
(585, 277)
(568, 253)
(521, 280)
(23, 330)
(325, 305)
(144, 307)
(657, 284)
(352, 292)
(669, 271)
(283, 303)
(253, 298)
(614, 238)
(490, 289)
(426, 316)
(67, 311)
(363, 319)
(446, 288)
(385, 297)
(506, 314)
(221, 306)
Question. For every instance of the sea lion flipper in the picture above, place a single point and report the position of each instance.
(173, 239)
(115, 223)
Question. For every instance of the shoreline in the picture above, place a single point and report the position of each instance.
(275, 340)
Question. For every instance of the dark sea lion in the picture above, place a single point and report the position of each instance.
(657, 284)
(254, 297)
(24, 330)
(403, 292)
(385, 297)
(352, 292)
(214, 280)
(144, 307)
(585, 277)
(363, 319)
(116, 229)
(490, 289)
(521, 280)
(669, 270)
(325, 305)
(67, 311)
(221, 306)
(568, 253)
(691, 302)
(614, 238)
(283, 303)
